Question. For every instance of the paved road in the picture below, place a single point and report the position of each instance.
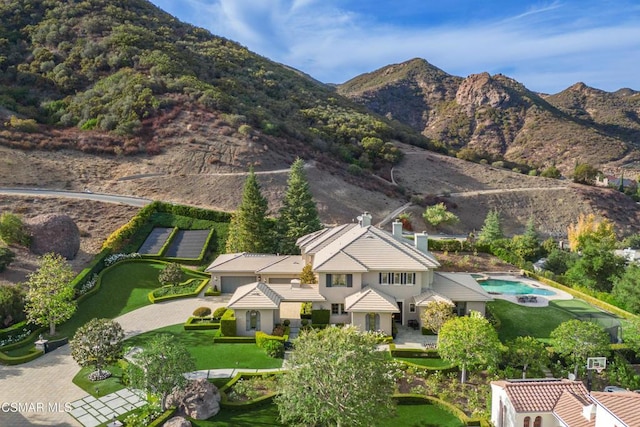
(48, 379)
(101, 197)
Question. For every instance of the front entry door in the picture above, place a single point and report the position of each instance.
(397, 317)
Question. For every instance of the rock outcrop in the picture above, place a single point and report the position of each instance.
(199, 400)
(54, 233)
(177, 422)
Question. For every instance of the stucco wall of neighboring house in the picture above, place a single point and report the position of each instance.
(476, 306)
(604, 418)
(359, 320)
(278, 278)
(268, 319)
(503, 413)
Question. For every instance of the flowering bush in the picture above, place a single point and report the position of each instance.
(112, 259)
(144, 416)
(89, 284)
(99, 375)
(15, 338)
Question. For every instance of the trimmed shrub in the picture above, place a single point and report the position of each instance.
(228, 324)
(202, 312)
(320, 317)
(286, 322)
(274, 349)
(305, 310)
(235, 340)
(219, 312)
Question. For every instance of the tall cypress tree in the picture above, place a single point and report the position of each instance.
(299, 215)
(249, 230)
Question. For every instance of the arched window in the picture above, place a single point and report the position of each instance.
(253, 320)
(527, 422)
(537, 422)
(372, 322)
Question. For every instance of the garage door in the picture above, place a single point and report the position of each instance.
(231, 283)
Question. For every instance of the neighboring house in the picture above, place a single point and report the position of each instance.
(366, 277)
(560, 403)
(617, 409)
(631, 255)
(614, 182)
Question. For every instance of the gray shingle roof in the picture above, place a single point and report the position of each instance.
(371, 300)
(459, 287)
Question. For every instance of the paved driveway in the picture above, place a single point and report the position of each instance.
(40, 389)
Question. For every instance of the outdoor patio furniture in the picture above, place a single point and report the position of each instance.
(413, 323)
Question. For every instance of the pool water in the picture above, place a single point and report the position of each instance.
(511, 287)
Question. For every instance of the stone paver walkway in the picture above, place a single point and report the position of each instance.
(91, 412)
(43, 388)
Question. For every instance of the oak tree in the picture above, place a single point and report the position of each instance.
(336, 377)
(469, 342)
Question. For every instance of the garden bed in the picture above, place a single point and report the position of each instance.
(190, 288)
(195, 323)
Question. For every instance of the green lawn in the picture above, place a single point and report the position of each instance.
(99, 388)
(209, 355)
(409, 415)
(124, 288)
(517, 320)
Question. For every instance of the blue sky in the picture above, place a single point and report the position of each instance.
(546, 45)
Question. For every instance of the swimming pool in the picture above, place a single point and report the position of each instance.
(511, 287)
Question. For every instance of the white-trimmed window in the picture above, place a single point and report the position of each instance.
(337, 309)
(339, 280)
(412, 308)
(386, 278)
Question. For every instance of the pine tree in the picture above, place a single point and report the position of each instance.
(492, 229)
(299, 215)
(249, 230)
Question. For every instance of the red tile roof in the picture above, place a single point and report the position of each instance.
(570, 410)
(624, 406)
(539, 395)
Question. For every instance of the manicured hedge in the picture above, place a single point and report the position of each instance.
(166, 415)
(320, 317)
(95, 267)
(235, 340)
(243, 375)
(262, 337)
(409, 398)
(17, 360)
(413, 353)
(198, 289)
(191, 325)
(31, 337)
(228, 324)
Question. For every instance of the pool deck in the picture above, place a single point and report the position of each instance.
(542, 300)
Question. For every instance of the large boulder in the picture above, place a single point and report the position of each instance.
(54, 233)
(177, 422)
(199, 399)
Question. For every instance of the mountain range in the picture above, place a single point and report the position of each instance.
(132, 96)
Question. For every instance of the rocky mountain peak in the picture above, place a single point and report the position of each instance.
(482, 90)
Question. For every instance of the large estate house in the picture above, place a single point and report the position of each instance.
(366, 277)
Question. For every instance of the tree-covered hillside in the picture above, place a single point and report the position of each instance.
(114, 65)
